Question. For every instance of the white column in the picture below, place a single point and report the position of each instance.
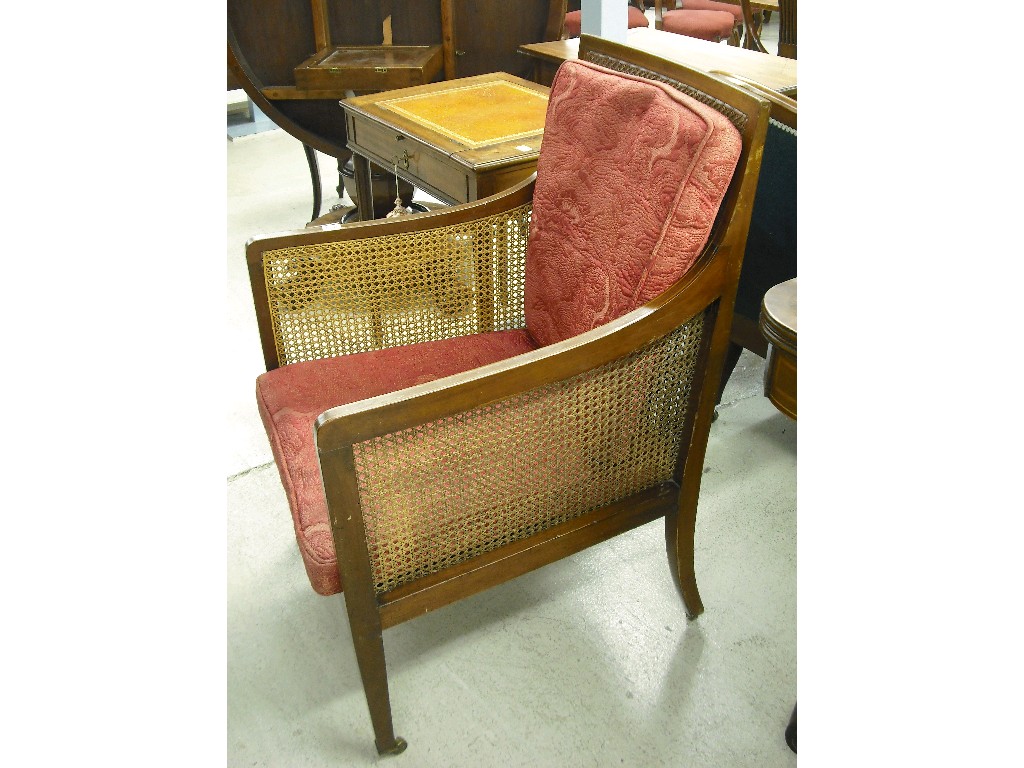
(605, 18)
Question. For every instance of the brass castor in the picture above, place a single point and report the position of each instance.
(397, 749)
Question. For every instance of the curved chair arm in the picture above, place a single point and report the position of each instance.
(441, 398)
(442, 480)
(340, 289)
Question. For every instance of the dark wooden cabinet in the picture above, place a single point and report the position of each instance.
(485, 35)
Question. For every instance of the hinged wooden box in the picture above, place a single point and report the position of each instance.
(369, 67)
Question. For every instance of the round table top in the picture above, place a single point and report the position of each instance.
(778, 315)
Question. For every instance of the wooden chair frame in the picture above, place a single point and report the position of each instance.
(752, 28)
(708, 287)
(787, 28)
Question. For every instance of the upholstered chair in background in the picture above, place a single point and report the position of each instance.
(634, 18)
(787, 28)
(713, 25)
(456, 398)
(715, 5)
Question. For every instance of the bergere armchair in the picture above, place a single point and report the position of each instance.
(459, 397)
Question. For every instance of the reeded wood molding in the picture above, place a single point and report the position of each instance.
(787, 28)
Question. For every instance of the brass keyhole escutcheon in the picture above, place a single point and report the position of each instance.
(402, 161)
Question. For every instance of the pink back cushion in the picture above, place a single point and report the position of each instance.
(630, 178)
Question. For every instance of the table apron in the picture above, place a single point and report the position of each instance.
(417, 162)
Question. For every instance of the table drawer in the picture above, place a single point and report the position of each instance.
(387, 146)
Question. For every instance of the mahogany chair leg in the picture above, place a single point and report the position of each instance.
(338, 470)
(369, 645)
(679, 533)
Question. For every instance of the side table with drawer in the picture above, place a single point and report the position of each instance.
(458, 140)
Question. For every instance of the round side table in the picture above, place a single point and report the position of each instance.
(778, 324)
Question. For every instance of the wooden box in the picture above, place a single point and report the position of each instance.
(369, 67)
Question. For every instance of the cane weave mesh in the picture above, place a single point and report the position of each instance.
(440, 493)
(338, 298)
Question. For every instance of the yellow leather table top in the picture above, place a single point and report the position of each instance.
(476, 115)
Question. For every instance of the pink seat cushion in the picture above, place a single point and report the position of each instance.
(714, 5)
(705, 25)
(573, 21)
(627, 190)
(290, 399)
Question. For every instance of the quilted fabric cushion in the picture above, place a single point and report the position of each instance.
(630, 178)
(292, 397)
(705, 25)
(714, 5)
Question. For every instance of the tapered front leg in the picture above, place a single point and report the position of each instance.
(369, 645)
(338, 470)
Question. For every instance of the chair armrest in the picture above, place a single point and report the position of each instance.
(783, 106)
(351, 288)
(476, 461)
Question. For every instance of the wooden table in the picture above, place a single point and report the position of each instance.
(778, 324)
(459, 140)
(759, 10)
(775, 72)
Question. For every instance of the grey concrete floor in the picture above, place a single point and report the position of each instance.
(587, 662)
